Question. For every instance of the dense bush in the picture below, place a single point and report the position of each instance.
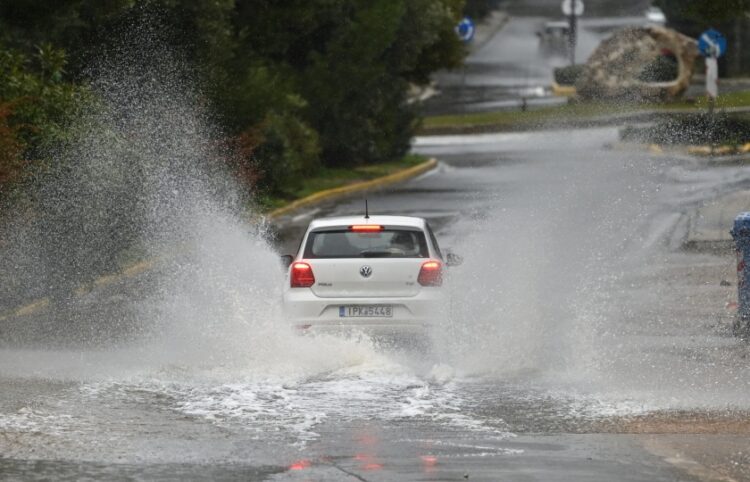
(569, 74)
(34, 102)
(11, 147)
(663, 68)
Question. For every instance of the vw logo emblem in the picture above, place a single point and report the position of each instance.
(365, 271)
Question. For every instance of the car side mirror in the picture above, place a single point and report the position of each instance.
(286, 260)
(452, 259)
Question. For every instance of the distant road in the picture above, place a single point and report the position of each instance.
(594, 8)
(510, 69)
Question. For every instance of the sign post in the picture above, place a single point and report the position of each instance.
(712, 45)
(712, 81)
(572, 9)
(465, 31)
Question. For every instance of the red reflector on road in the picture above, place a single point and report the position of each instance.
(300, 465)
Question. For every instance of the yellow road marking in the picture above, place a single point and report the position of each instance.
(32, 307)
(356, 187)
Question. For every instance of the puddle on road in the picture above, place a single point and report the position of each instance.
(286, 409)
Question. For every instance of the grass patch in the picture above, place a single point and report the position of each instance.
(330, 178)
(728, 100)
(509, 120)
(532, 117)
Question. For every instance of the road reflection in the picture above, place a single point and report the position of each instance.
(367, 455)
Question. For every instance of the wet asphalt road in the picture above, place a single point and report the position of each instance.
(570, 321)
(512, 67)
(573, 212)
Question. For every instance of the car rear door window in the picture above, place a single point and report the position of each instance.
(389, 243)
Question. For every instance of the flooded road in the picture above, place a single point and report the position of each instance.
(575, 332)
(581, 341)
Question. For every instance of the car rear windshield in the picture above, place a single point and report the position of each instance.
(389, 243)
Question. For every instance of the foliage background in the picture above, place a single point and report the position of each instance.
(295, 85)
(693, 17)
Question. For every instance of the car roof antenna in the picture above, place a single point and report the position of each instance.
(367, 211)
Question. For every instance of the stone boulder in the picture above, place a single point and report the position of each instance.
(622, 66)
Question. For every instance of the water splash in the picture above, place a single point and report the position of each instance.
(143, 177)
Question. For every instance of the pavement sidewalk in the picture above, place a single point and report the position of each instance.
(709, 225)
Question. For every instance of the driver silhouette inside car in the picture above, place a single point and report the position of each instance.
(403, 243)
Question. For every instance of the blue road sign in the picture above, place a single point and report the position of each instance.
(465, 29)
(712, 43)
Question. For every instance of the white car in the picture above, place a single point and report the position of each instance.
(378, 274)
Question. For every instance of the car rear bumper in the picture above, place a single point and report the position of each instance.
(310, 313)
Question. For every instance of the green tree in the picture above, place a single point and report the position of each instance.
(11, 147)
(349, 61)
(703, 12)
(77, 26)
(356, 86)
(478, 9)
(35, 100)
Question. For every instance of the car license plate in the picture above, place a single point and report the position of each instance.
(366, 311)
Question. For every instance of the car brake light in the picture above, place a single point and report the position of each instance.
(366, 228)
(431, 273)
(302, 275)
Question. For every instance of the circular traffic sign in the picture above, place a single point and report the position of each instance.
(465, 29)
(712, 43)
(572, 7)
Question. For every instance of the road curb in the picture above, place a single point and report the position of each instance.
(564, 90)
(722, 150)
(349, 189)
(709, 224)
(128, 271)
(719, 153)
(27, 309)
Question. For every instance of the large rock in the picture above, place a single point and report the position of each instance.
(619, 67)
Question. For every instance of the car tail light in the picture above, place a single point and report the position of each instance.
(366, 228)
(302, 275)
(431, 273)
